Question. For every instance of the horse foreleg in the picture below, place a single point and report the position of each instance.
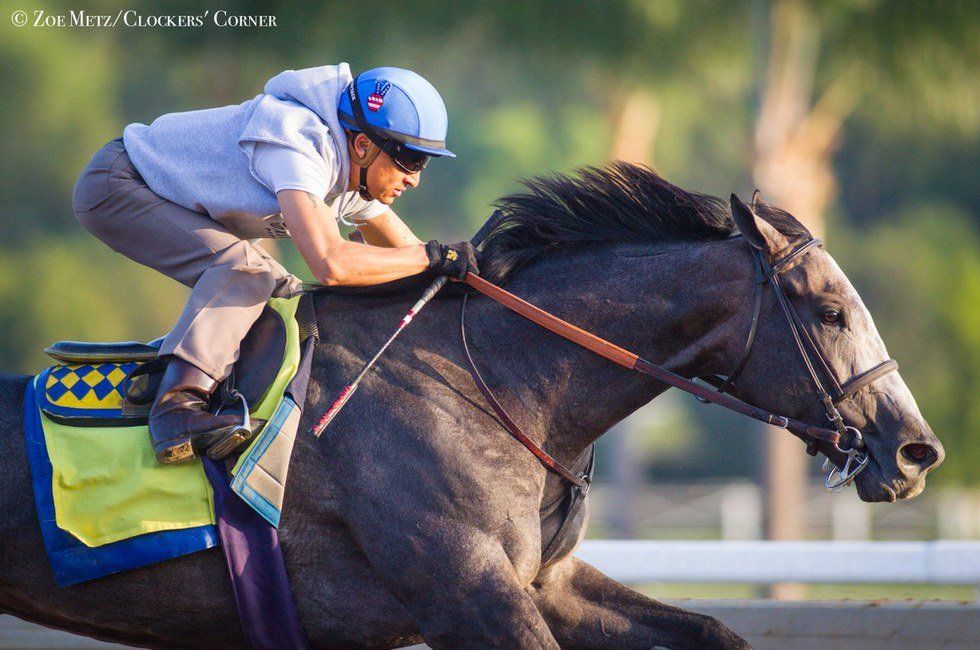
(460, 589)
(586, 609)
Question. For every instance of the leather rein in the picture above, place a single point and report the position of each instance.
(765, 273)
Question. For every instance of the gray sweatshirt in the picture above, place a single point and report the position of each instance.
(202, 159)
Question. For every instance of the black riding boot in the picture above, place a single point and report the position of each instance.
(180, 425)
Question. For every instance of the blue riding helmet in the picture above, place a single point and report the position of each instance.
(397, 104)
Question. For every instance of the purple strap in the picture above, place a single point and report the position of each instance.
(265, 602)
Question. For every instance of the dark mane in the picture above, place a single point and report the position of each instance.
(621, 202)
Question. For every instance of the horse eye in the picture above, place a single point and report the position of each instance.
(831, 317)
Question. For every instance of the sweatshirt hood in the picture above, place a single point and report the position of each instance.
(318, 89)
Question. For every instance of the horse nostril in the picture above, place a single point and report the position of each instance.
(923, 455)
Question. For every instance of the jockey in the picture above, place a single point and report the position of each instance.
(186, 194)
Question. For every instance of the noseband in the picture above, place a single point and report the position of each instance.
(768, 273)
(855, 459)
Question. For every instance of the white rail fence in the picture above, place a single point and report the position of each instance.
(734, 511)
(759, 562)
(806, 625)
(814, 625)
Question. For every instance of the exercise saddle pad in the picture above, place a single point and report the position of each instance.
(104, 503)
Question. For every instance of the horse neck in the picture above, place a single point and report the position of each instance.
(678, 305)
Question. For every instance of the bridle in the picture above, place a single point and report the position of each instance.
(856, 458)
(768, 273)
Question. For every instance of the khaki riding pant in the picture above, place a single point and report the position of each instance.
(231, 279)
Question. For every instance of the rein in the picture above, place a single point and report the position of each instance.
(765, 273)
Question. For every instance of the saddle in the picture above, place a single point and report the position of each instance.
(91, 410)
(114, 384)
(105, 505)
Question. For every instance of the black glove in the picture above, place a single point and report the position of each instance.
(452, 260)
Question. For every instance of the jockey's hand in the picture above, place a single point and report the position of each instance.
(452, 260)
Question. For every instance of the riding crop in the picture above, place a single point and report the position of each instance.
(432, 290)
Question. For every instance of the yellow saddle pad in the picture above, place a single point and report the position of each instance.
(108, 486)
(106, 483)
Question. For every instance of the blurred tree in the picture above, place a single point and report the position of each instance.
(57, 105)
(828, 60)
(76, 287)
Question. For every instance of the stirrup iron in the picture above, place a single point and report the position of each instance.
(236, 436)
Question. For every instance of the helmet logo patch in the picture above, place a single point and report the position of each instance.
(377, 99)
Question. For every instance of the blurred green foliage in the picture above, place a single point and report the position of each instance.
(533, 87)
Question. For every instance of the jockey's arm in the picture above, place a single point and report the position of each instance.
(387, 230)
(332, 259)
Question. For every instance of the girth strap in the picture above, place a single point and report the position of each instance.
(306, 317)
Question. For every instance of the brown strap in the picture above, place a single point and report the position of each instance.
(856, 383)
(546, 459)
(551, 322)
(629, 360)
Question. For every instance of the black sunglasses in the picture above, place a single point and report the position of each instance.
(408, 160)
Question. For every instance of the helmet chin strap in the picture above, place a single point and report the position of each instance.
(364, 162)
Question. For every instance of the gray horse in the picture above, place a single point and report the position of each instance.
(417, 516)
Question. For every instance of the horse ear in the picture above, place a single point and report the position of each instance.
(773, 215)
(758, 232)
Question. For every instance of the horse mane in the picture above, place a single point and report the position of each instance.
(619, 203)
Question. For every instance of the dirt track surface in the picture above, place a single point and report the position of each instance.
(804, 625)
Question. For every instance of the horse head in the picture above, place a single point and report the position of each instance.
(900, 443)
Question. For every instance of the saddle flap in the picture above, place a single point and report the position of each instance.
(261, 355)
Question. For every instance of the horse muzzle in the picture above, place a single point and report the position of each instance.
(897, 466)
